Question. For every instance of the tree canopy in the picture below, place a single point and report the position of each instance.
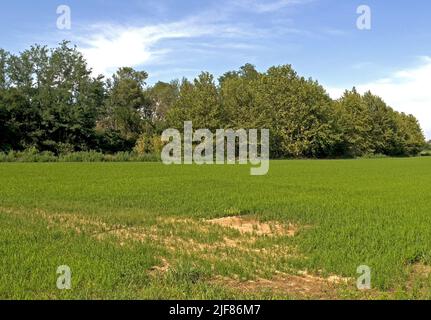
(49, 100)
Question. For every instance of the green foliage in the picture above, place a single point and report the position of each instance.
(148, 145)
(356, 124)
(83, 156)
(303, 120)
(127, 106)
(163, 96)
(410, 136)
(197, 102)
(28, 155)
(32, 155)
(371, 127)
(299, 113)
(48, 99)
(141, 146)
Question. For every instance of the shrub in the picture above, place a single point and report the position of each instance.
(31, 155)
(45, 156)
(65, 148)
(141, 145)
(123, 156)
(157, 144)
(4, 157)
(149, 157)
(83, 156)
(374, 156)
(148, 145)
(28, 155)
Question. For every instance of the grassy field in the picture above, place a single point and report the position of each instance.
(149, 231)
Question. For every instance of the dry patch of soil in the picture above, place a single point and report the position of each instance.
(101, 231)
(247, 225)
(161, 269)
(302, 286)
(421, 270)
(418, 279)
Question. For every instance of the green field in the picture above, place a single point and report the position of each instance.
(145, 230)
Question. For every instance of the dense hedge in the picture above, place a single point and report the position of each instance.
(32, 155)
(50, 101)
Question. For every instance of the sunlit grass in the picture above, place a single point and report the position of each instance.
(351, 213)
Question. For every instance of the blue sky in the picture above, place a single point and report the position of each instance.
(171, 39)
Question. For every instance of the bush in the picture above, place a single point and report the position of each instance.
(148, 145)
(142, 145)
(149, 157)
(122, 156)
(7, 157)
(83, 156)
(374, 156)
(28, 155)
(65, 148)
(158, 145)
(45, 156)
(32, 155)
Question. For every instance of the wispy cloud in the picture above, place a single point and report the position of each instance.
(334, 32)
(405, 90)
(361, 65)
(262, 6)
(109, 46)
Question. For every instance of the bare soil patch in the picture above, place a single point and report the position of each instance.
(421, 270)
(160, 269)
(302, 286)
(248, 225)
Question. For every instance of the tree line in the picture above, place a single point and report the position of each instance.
(50, 101)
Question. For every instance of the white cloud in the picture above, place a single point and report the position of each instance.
(262, 6)
(406, 91)
(108, 47)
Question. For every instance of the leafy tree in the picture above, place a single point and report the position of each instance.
(355, 124)
(127, 108)
(247, 72)
(4, 113)
(299, 113)
(383, 125)
(4, 56)
(52, 98)
(69, 97)
(410, 136)
(17, 121)
(238, 98)
(162, 97)
(197, 102)
(50, 101)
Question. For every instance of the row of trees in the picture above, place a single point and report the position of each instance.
(49, 100)
(304, 121)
